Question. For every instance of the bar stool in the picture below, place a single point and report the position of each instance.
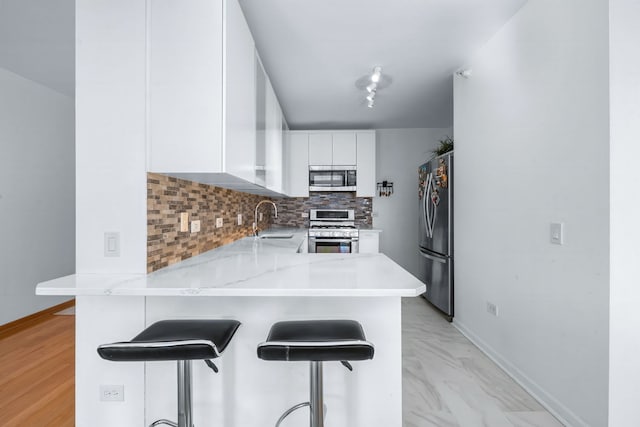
(315, 341)
(180, 340)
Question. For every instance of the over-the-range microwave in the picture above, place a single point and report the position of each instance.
(332, 178)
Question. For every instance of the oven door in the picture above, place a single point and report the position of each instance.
(332, 245)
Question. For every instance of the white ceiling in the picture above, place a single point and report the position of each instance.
(317, 53)
(37, 41)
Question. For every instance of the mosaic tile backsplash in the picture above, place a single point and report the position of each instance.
(290, 210)
(168, 197)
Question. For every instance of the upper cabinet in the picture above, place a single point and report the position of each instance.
(320, 149)
(366, 163)
(185, 91)
(297, 164)
(330, 148)
(239, 95)
(344, 148)
(212, 111)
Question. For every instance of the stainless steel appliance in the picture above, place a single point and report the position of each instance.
(435, 196)
(332, 231)
(332, 178)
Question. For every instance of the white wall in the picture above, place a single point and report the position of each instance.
(531, 128)
(624, 369)
(37, 194)
(399, 152)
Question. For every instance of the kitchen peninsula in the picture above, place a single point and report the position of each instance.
(258, 282)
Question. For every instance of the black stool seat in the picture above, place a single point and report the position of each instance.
(316, 340)
(174, 340)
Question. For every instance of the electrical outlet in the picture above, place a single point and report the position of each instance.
(195, 226)
(304, 214)
(111, 393)
(239, 219)
(492, 308)
(184, 222)
(260, 216)
(219, 222)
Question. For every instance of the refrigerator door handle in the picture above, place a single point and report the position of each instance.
(434, 258)
(424, 210)
(427, 198)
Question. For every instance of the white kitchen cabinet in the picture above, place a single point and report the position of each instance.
(201, 99)
(273, 155)
(297, 164)
(344, 148)
(366, 164)
(239, 131)
(369, 241)
(185, 64)
(320, 149)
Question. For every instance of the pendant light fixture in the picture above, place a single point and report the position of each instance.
(372, 87)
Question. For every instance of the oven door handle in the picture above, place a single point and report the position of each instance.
(315, 239)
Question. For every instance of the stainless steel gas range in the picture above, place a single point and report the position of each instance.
(332, 231)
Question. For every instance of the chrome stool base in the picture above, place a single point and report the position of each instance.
(185, 403)
(317, 408)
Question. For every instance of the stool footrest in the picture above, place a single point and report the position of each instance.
(290, 410)
(165, 422)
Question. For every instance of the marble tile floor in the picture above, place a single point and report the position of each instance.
(448, 382)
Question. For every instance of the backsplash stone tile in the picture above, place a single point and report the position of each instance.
(167, 197)
(290, 209)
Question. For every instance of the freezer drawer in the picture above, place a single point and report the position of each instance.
(437, 274)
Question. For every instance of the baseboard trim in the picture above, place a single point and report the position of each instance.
(26, 322)
(550, 403)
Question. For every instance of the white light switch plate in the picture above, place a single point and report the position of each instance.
(195, 226)
(239, 219)
(557, 233)
(219, 222)
(111, 244)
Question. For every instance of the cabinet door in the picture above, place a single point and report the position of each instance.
(239, 96)
(273, 161)
(185, 86)
(297, 164)
(344, 148)
(366, 163)
(320, 149)
(368, 242)
(261, 94)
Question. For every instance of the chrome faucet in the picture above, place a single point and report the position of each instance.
(255, 216)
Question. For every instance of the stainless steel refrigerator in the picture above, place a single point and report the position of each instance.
(435, 197)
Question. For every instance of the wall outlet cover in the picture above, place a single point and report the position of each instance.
(260, 216)
(239, 219)
(556, 233)
(195, 226)
(184, 222)
(492, 308)
(111, 393)
(219, 222)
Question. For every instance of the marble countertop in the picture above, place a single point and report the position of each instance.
(254, 267)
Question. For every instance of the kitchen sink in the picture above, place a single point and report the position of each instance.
(276, 236)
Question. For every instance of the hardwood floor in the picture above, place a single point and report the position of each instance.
(37, 368)
(447, 381)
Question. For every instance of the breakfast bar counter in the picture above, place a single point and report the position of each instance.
(257, 282)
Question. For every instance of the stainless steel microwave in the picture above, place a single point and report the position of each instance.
(332, 178)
